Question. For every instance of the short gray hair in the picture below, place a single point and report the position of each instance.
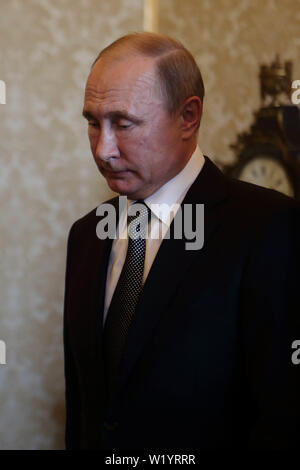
(178, 74)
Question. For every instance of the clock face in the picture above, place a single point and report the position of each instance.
(267, 172)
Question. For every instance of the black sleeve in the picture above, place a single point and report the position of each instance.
(72, 395)
(270, 305)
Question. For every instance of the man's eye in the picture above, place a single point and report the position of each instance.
(93, 124)
(123, 124)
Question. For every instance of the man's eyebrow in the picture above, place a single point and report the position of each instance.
(122, 114)
(87, 115)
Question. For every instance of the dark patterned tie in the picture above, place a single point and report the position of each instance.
(126, 294)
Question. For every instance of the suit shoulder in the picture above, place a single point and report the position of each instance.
(259, 200)
(87, 223)
(252, 210)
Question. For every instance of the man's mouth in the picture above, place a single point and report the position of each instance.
(112, 173)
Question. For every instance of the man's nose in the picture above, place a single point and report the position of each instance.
(106, 146)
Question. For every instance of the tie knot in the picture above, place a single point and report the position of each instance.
(138, 218)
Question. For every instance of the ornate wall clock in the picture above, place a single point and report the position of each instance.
(269, 155)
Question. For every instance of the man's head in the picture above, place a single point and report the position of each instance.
(143, 102)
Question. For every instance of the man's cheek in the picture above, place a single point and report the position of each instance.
(93, 145)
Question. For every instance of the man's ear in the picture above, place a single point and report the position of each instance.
(190, 116)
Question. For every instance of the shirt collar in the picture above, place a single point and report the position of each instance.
(173, 191)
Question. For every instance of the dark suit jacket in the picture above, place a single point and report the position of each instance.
(207, 363)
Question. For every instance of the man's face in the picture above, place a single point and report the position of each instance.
(136, 144)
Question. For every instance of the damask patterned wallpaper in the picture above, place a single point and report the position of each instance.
(47, 175)
(230, 39)
(47, 180)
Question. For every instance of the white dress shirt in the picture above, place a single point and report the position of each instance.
(171, 194)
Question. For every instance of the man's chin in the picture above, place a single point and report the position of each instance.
(126, 189)
(121, 186)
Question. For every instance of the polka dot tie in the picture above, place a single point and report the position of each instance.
(126, 294)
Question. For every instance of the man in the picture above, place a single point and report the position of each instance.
(173, 348)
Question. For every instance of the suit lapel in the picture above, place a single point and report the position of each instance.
(169, 267)
(98, 265)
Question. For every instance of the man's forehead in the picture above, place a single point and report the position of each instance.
(126, 60)
(123, 74)
(125, 81)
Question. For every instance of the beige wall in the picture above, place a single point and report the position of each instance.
(48, 178)
(229, 39)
